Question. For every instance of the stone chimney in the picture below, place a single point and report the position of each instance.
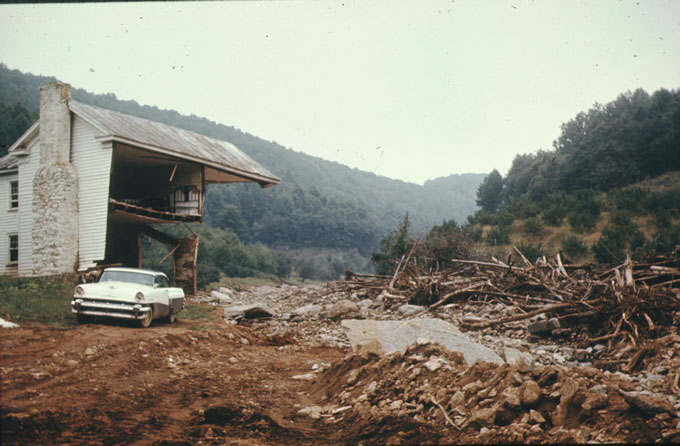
(55, 188)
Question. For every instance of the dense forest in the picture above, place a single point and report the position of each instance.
(634, 137)
(321, 210)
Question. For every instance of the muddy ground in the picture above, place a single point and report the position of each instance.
(261, 383)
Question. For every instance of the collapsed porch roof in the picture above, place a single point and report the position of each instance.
(224, 163)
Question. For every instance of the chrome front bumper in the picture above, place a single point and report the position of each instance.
(94, 307)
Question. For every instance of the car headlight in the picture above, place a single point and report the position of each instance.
(139, 296)
(80, 291)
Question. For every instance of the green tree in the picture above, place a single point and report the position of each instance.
(490, 192)
(392, 248)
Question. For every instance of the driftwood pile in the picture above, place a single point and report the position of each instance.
(627, 304)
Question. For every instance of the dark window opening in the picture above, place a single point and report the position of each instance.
(13, 194)
(13, 248)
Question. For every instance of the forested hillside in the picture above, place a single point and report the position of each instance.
(610, 187)
(383, 199)
(333, 213)
(634, 137)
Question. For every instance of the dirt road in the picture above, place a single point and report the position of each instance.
(186, 383)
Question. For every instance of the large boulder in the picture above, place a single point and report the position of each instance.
(396, 335)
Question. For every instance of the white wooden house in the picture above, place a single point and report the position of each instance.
(83, 183)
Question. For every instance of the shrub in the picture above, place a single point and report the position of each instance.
(586, 212)
(533, 226)
(555, 208)
(498, 235)
(523, 207)
(504, 218)
(481, 218)
(574, 247)
(631, 200)
(619, 237)
(445, 243)
(668, 201)
(531, 251)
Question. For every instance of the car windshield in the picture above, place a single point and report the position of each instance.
(127, 276)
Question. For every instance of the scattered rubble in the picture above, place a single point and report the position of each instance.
(550, 351)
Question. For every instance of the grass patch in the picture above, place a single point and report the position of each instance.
(42, 300)
(198, 312)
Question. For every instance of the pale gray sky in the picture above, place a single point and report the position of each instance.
(407, 89)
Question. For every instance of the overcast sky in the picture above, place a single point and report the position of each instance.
(407, 89)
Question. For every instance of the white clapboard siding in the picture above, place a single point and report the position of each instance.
(92, 160)
(27, 169)
(9, 220)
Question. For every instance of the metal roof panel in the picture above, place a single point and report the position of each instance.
(183, 143)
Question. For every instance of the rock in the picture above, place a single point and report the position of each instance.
(457, 399)
(599, 388)
(434, 363)
(598, 349)
(518, 359)
(473, 387)
(395, 336)
(308, 310)
(222, 297)
(649, 405)
(396, 405)
(569, 388)
(365, 304)
(535, 417)
(595, 401)
(544, 326)
(305, 376)
(341, 309)
(313, 412)
(559, 415)
(226, 291)
(483, 417)
(251, 311)
(90, 351)
(72, 363)
(548, 376)
(369, 347)
(581, 354)
(511, 398)
(409, 310)
(529, 393)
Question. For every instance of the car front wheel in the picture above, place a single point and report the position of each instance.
(146, 321)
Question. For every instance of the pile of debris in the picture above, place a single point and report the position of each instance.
(548, 352)
(487, 402)
(620, 307)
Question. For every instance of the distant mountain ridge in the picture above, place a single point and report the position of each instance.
(385, 199)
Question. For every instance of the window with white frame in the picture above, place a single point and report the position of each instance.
(14, 194)
(13, 248)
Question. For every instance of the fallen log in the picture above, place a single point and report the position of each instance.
(519, 317)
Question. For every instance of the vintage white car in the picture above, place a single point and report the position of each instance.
(128, 293)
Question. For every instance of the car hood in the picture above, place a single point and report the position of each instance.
(114, 290)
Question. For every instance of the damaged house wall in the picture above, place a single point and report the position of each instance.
(91, 180)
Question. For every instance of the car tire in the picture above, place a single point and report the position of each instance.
(144, 323)
(82, 319)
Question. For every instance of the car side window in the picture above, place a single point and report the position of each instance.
(161, 282)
